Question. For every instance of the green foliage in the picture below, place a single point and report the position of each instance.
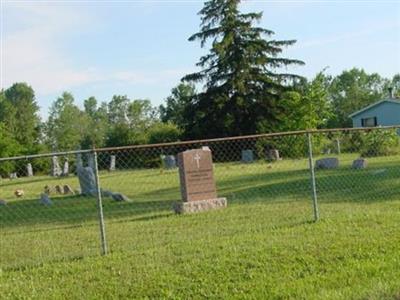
(308, 107)
(67, 124)
(371, 143)
(275, 252)
(163, 133)
(242, 87)
(293, 146)
(177, 103)
(395, 85)
(380, 143)
(96, 133)
(353, 90)
(129, 121)
(8, 147)
(19, 113)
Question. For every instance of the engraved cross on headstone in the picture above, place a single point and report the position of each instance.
(197, 158)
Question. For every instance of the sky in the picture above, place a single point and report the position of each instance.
(141, 48)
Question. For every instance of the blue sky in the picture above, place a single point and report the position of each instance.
(140, 48)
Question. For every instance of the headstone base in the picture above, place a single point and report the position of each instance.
(198, 206)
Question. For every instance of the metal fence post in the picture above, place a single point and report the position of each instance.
(312, 177)
(100, 207)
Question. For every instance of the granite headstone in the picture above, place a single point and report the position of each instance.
(65, 171)
(360, 163)
(87, 181)
(327, 163)
(197, 183)
(29, 170)
(247, 156)
(169, 162)
(273, 154)
(55, 167)
(112, 163)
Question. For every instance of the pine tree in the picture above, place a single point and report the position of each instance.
(241, 74)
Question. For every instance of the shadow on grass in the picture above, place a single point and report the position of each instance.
(25, 180)
(339, 185)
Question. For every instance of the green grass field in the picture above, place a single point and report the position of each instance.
(263, 246)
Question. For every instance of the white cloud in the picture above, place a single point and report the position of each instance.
(150, 77)
(369, 30)
(31, 46)
(33, 51)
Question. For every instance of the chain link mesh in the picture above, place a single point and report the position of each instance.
(49, 204)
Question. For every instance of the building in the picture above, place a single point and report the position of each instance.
(385, 112)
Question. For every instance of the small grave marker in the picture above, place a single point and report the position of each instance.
(327, 163)
(360, 163)
(247, 156)
(273, 154)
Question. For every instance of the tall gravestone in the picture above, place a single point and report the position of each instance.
(90, 160)
(55, 167)
(112, 163)
(87, 180)
(29, 170)
(197, 182)
(79, 163)
(65, 171)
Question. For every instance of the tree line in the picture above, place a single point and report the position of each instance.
(242, 88)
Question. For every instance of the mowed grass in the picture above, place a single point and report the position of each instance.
(263, 246)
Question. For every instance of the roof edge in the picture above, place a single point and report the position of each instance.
(372, 105)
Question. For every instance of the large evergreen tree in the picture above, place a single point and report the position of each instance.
(242, 74)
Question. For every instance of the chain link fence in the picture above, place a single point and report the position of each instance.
(76, 204)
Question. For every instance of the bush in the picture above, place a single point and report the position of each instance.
(292, 146)
(379, 143)
(163, 133)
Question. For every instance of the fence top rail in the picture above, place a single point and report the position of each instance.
(245, 137)
(181, 143)
(41, 155)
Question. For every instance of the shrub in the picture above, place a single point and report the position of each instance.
(163, 133)
(379, 143)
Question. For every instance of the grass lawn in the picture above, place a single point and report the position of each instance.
(263, 246)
